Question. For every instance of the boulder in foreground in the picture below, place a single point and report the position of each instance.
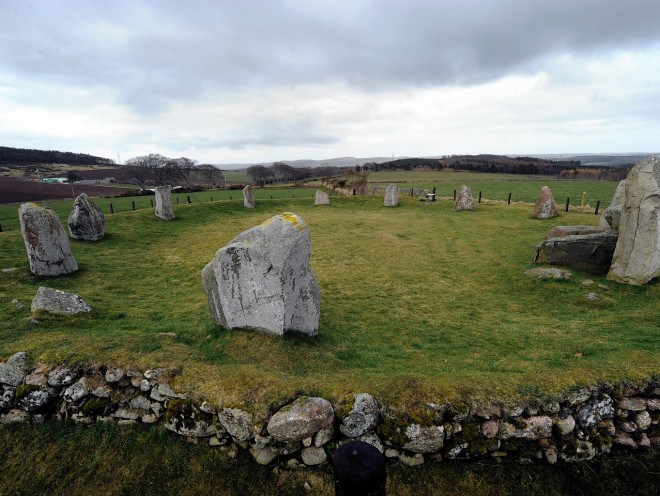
(588, 252)
(55, 301)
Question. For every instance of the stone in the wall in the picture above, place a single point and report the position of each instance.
(595, 411)
(321, 198)
(15, 416)
(13, 370)
(164, 203)
(362, 418)
(545, 207)
(237, 423)
(637, 256)
(58, 302)
(566, 425)
(464, 200)
(588, 252)
(300, 419)
(313, 456)
(34, 400)
(539, 427)
(86, 221)
(76, 391)
(424, 439)
(262, 280)
(391, 196)
(248, 197)
(48, 247)
(61, 377)
(186, 419)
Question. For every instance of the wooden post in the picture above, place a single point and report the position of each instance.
(597, 207)
(479, 196)
(133, 204)
(177, 200)
(151, 202)
(454, 195)
(230, 197)
(508, 202)
(412, 191)
(112, 210)
(0, 227)
(188, 198)
(354, 192)
(568, 201)
(211, 198)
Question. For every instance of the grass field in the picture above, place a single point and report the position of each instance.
(418, 303)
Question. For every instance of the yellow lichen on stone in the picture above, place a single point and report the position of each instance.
(289, 217)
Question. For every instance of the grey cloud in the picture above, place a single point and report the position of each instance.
(152, 53)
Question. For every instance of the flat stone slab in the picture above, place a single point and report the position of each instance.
(59, 302)
(588, 252)
(561, 231)
(549, 273)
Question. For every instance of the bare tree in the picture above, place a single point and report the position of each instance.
(152, 166)
(283, 172)
(212, 174)
(182, 168)
(259, 174)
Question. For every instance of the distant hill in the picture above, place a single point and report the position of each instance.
(25, 156)
(328, 162)
(599, 159)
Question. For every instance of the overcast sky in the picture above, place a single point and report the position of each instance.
(258, 81)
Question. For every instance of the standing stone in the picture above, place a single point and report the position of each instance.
(321, 198)
(464, 200)
(545, 207)
(86, 221)
(391, 196)
(248, 197)
(637, 255)
(46, 242)
(262, 279)
(164, 203)
(611, 218)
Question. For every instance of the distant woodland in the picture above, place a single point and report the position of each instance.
(18, 156)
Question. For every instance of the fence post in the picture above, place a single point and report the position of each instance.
(177, 200)
(479, 196)
(568, 201)
(230, 197)
(0, 227)
(211, 198)
(354, 192)
(597, 207)
(133, 204)
(151, 202)
(271, 197)
(412, 191)
(454, 195)
(584, 199)
(112, 210)
(188, 198)
(508, 202)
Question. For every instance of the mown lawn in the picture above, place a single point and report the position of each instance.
(419, 303)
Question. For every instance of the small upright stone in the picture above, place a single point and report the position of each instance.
(46, 242)
(391, 196)
(86, 221)
(545, 207)
(464, 200)
(262, 280)
(55, 301)
(248, 197)
(164, 203)
(321, 198)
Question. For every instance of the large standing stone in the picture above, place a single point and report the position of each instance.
(321, 198)
(545, 207)
(300, 419)
(391, 196)
(262, 279)
(637, 256)
(164, 203)
(464, 200)
(86, 221)
(55, 301)
(589, 252)
(611, 218)
(46, 242)
(248, 197)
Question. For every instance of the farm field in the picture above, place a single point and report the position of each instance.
(419, 303)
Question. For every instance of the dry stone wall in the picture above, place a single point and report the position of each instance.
(588, 422)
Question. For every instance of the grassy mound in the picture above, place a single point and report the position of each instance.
(419, 303)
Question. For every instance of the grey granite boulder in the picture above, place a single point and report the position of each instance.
(464, 200)
(611, 217)
(12, 371)
(561, 231)
(237, 423)
(301, 419)
(424, 439)
(164, 203)
(545, 206)
(362, 418)
(391, 196)
(321, 198)
(248, 197)
(86, 221)
(55, 301)
(588, 252)
(48, 247)
(637, 256)
(262, 280)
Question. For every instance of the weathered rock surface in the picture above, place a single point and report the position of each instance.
(545, 207)
(33, 401)
(549, 273)
(76, 391)
(588, 252)
(362, 418)
(464, 200)
(561, 231)
(164, 203)
(248, 197)
(300, 419)
(539, 427)
(13, 370)
(637, 256)
(424, 439)
(612, 215)
(313, 456)
(391, 196)
(48, 247)
(55, 301)
(189, 420)
(321, 198)
(86, 220)
(15, 417)
(61, 377)
(237, 423)
(262, 280)
(595, 411)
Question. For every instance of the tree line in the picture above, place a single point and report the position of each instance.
(19, 156)
(280, 172)
(159, 170)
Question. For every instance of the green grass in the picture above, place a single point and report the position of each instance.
(58, 459)
(237, 176)
(418, 303)
(498, 186)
